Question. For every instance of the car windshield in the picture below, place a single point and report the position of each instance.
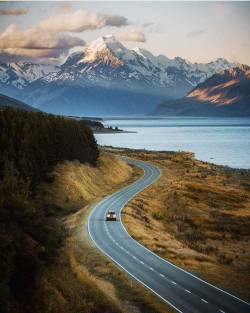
(111, 212)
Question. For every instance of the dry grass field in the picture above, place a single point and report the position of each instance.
(83, 280)
(197, 215)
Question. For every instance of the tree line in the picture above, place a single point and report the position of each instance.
(31, 144)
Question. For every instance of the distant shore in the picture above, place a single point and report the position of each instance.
(110, 131)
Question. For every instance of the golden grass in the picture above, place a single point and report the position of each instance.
(126, 293)
(83, 280)
(197, 216)
(76, 185)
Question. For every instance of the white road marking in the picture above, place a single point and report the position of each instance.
(142, 262)
(222, 311)
(205, 301)
(187, 290)
(162, 275)
(171, 304)
(133, 192)
(173, 282)
(151, 268)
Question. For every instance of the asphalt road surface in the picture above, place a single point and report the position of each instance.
(180, 289)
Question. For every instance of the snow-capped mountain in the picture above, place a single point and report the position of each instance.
(108, 78)
(226, 93)
(18, 75)
(106, 61)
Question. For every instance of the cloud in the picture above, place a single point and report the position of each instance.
(196, 33)
(35, 42)
(81, 20)
(50, 38)
(147, 24)
(14, 11)
(152, 27)
(136, 36)
(65, 7)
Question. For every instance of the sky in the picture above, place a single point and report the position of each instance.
(197, 31)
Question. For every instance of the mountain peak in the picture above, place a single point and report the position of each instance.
(106, 47)
(104, 42)
(241, 71)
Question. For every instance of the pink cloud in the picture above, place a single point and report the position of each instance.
(14, 11)
(81, 20)
(35, 42)
(135, 36)
(49, 37)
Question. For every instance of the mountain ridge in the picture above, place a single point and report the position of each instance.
(107, 67)
(226, 93)
(6, 101)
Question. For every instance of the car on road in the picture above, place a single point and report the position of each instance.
(111, 216)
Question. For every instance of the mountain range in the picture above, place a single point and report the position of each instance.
(226, 93)
(105, 78)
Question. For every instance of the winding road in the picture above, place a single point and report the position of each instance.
(180, 289)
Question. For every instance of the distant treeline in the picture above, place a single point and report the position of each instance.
(31, 144)
(35, 142)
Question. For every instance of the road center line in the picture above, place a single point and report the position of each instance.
(205, 301)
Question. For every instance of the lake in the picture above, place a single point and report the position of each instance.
(224, 141)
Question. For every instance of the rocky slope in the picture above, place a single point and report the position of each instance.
(224, 94)
(15, 76)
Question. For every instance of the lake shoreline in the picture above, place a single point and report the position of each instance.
(222, 141)
(197, 216)
(114, 149)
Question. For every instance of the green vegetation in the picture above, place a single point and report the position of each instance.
(31, 144)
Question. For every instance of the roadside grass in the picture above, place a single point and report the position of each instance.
(83, 280)
(126, 293)
(196, 216)
(76, 185)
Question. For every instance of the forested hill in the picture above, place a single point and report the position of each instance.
(6, 101)
(35, 142)
(31, 144)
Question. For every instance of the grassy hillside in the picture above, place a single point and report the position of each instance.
(66, 286)
(31, 144)
(50, 174)
(82, 279)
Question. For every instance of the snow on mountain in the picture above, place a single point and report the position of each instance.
(20, 74)
(226, 93)
(106, 59)
(106, 67)
(224, 88)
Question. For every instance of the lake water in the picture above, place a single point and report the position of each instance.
(222, 141)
